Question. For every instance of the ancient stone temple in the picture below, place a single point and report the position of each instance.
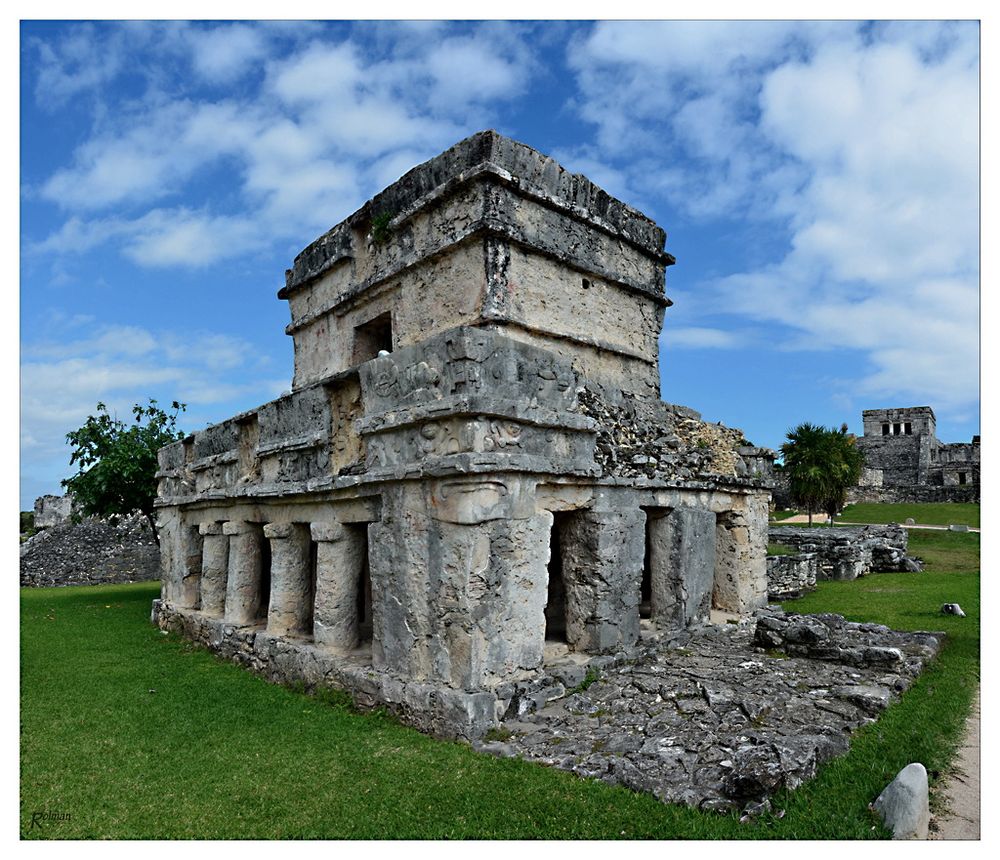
(474, 474)
(907, 463)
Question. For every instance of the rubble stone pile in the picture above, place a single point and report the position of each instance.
(639, 438)
(91, 552)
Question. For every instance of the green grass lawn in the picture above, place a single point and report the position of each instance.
(134, 734)
(778, 516)
(928, 514)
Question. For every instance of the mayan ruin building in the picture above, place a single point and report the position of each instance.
(905, 462)
(474, 474)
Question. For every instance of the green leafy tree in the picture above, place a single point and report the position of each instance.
(846, 463)
(117, 460)
(821, 465)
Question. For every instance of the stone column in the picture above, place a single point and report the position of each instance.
(602, 556)
(290, 607)
(168, 525)
(458, 598)
(243, 584)
(190, 585)
(214, 568)
(682, 566)
(340, 555)
(740, 584)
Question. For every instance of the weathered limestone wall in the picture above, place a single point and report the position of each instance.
(915, 493)
(902, 459)
(915, 466)
(54, 510)
(587, 284)
(458, 581)
(423, 300)
(682, 563)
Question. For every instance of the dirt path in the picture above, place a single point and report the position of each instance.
(960, 790)
(822, 518)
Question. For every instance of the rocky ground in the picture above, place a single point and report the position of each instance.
(723, 717)
(89, 553)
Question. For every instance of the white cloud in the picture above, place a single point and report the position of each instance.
(160, 238)
(698, 337)
(70, 66)
(63, 378)
(315, 135)
(224, 53)
(858, 143)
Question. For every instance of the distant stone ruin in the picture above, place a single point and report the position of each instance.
(474, 478)
(841, 553)
(54, 510)
(906, 462)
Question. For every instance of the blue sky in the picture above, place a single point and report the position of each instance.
(818, 182)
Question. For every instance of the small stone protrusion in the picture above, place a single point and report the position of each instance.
(952, 609)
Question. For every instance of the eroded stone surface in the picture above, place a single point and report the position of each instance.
(712, 719)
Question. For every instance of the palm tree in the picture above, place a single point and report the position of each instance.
(846, 463)
(807, 466)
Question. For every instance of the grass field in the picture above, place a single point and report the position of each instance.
(134, 734)
(928, 514)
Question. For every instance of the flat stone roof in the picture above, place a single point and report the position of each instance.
(533, 174)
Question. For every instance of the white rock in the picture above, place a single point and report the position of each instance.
(903, 805)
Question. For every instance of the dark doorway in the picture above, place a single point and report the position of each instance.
(364, 592)
(313, 567)
(264, 592)
(555, 604)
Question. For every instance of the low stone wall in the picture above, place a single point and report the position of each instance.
(791, 575)
(442, 712)
(844, 553)
(91, 553)
(830, 638)
(915, 493)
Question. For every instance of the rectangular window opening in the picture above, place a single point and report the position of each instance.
(885, 429)
(908, 428)
(961, 477)
(896, 429)
(373, 337)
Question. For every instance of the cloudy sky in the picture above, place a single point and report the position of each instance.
(818, 183)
